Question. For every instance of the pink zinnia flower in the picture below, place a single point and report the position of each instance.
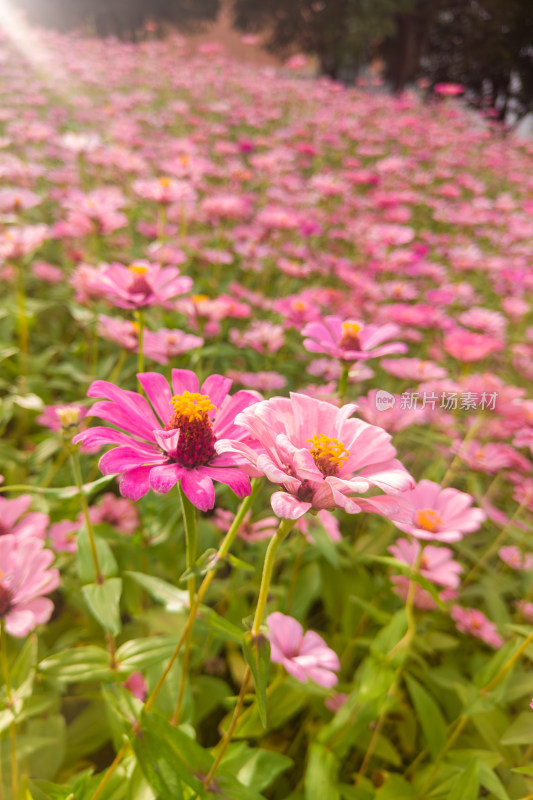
(320, 456)
(441, 515)
(14, 519)
(437, 565)
(62, 535)
(139, 285)
(413, 369)
(473, 622)
(466, 346)
(174, 438)
(303, 655)
(351, 340)
(118, 512)
(24, 577)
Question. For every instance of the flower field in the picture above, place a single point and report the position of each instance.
(266, 500)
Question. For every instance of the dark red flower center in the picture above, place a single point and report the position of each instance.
(350, 335)
(139, 283)
(5, 600)
(196, 444)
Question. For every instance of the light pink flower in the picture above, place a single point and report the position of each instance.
(14, 519)
(174, 438)
(24, 578)
(413, 369)
(304, 656)
(350, 340)
(467, 346)
(515, 559)
(440, 515)
(139, 285)
(320, 457)
(473, 622)
(437, 565)
(62, 535)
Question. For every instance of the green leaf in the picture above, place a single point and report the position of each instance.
(103, 600)
(324, 544)
(87, 733)
(173, 598)
(262, 769)
(520, 731)
(205, 563)
(168, 757)
(429, 716)
(391, 634)
(466, 786)
(256, 651)
(106, 559)
(321, 774)
(90, 663)
(22, 673)
(218, 625)
(396, 788)
(137, 654)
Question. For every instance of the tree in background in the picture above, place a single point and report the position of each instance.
(341, 33)
(487, 45)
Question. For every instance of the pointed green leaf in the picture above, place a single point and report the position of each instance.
(173, 598)
(429, 715)
(106, 559)
(257, 655)
(466, 785)
(321, 775)
(103, 601)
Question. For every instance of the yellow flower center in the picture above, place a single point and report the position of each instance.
(164, 182)
(350, 335)
(196, 441)
(192, 405)
(329, 454)
(138, 269)
(427, 519)
(199, 298)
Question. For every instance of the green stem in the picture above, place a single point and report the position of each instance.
(22, 325)
(498, 541)
(283, 530)
(140, 321)
(189, 519)
(343, 381)
(76, 470)
(12, 724)
(222, 552)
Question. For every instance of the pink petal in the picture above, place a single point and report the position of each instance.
(199, 489)
(135, 483)
(287, 506)
(158, 393)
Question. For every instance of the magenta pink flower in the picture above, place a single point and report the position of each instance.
(473, 622)
(319, 456)
(304, 656)
(351, 340)
(14, 519)
(413, 369)
(24, 577)
(139, 285)
(174, 438)
(441, 515)
(137, 685)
